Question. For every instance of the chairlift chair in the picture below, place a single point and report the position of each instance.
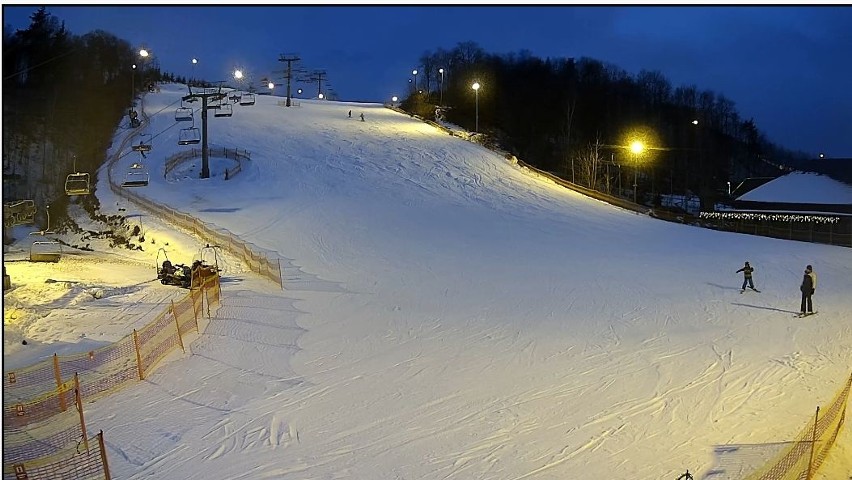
(45, 251)
(224, 110)
(183, 114)
(137, 176)
(144, 144)
(236, 98)
(189, 136)
(247, 99)
(77, 184)
(18, 213)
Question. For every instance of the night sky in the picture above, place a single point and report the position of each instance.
(787, 67)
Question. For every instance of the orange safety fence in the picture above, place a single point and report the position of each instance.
(33, 440)
(71, 463)
(106, 369)
(807, 452)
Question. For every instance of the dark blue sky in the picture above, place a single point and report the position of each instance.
(788, 67)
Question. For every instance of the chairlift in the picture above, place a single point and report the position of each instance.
(144, 144)
(18, 213)
(189, 136)
(247, 99)
(77, 184)
(137, 176)
(134, 118)
(236, 98)
(183, 114)
(45, 251)
(224, 110)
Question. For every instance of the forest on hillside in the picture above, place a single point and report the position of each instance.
(578, 118)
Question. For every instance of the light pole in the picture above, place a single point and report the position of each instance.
(637, 148)
(475, 88)
(132, 84)
(441, 71)
(393, 100)
(144, 54)
(194, 63)
(414, 88)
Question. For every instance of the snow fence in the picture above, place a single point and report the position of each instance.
(44, 429)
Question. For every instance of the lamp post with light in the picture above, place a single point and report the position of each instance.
(441, 71)
(636, 147)
(194, 62)
(475, 88)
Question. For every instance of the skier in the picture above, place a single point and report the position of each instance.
(362, 117)
(747, 270)
(808, 288)
(350, 113)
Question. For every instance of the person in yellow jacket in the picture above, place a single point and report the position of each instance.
(747, 280)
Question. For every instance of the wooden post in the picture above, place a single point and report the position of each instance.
(138, 355)
(813, 444)
(58, 376)
(103, 455)
(78, 398)
(177, 325)
(280, 276)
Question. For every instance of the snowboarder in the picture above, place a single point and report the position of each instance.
(808, 288)
(747, 280)
(362, 117)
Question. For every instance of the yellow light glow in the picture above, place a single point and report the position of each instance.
(637, 147)
(238, 74)
(475, 86)
(143, 53)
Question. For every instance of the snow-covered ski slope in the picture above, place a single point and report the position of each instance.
(450, 316)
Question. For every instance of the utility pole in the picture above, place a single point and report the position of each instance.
(289, 75)
(205, 153)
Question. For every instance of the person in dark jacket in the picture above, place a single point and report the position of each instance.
(747, 271)
(808, 288)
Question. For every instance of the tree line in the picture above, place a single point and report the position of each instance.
(63, 96)
(577, 117)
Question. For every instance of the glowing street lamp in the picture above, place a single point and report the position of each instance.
(414, 72)
(320, 96)
(441, 71)
(194, 62)
(270, 85)
(636, 147)
(475, 88)
(238, 74)
(393, 100)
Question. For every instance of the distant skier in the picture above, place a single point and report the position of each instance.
(350, 113)
(747, 280)
(362, 117)
(808, 288)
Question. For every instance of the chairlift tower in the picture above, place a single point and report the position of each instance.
(317, 77)
(205, 153)
(289, 60)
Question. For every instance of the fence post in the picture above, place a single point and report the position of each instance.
(177, 325)
(280, 275)
(813, 443)
(138, 355)
(103, 455)
(79, 399)
(57, 374)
